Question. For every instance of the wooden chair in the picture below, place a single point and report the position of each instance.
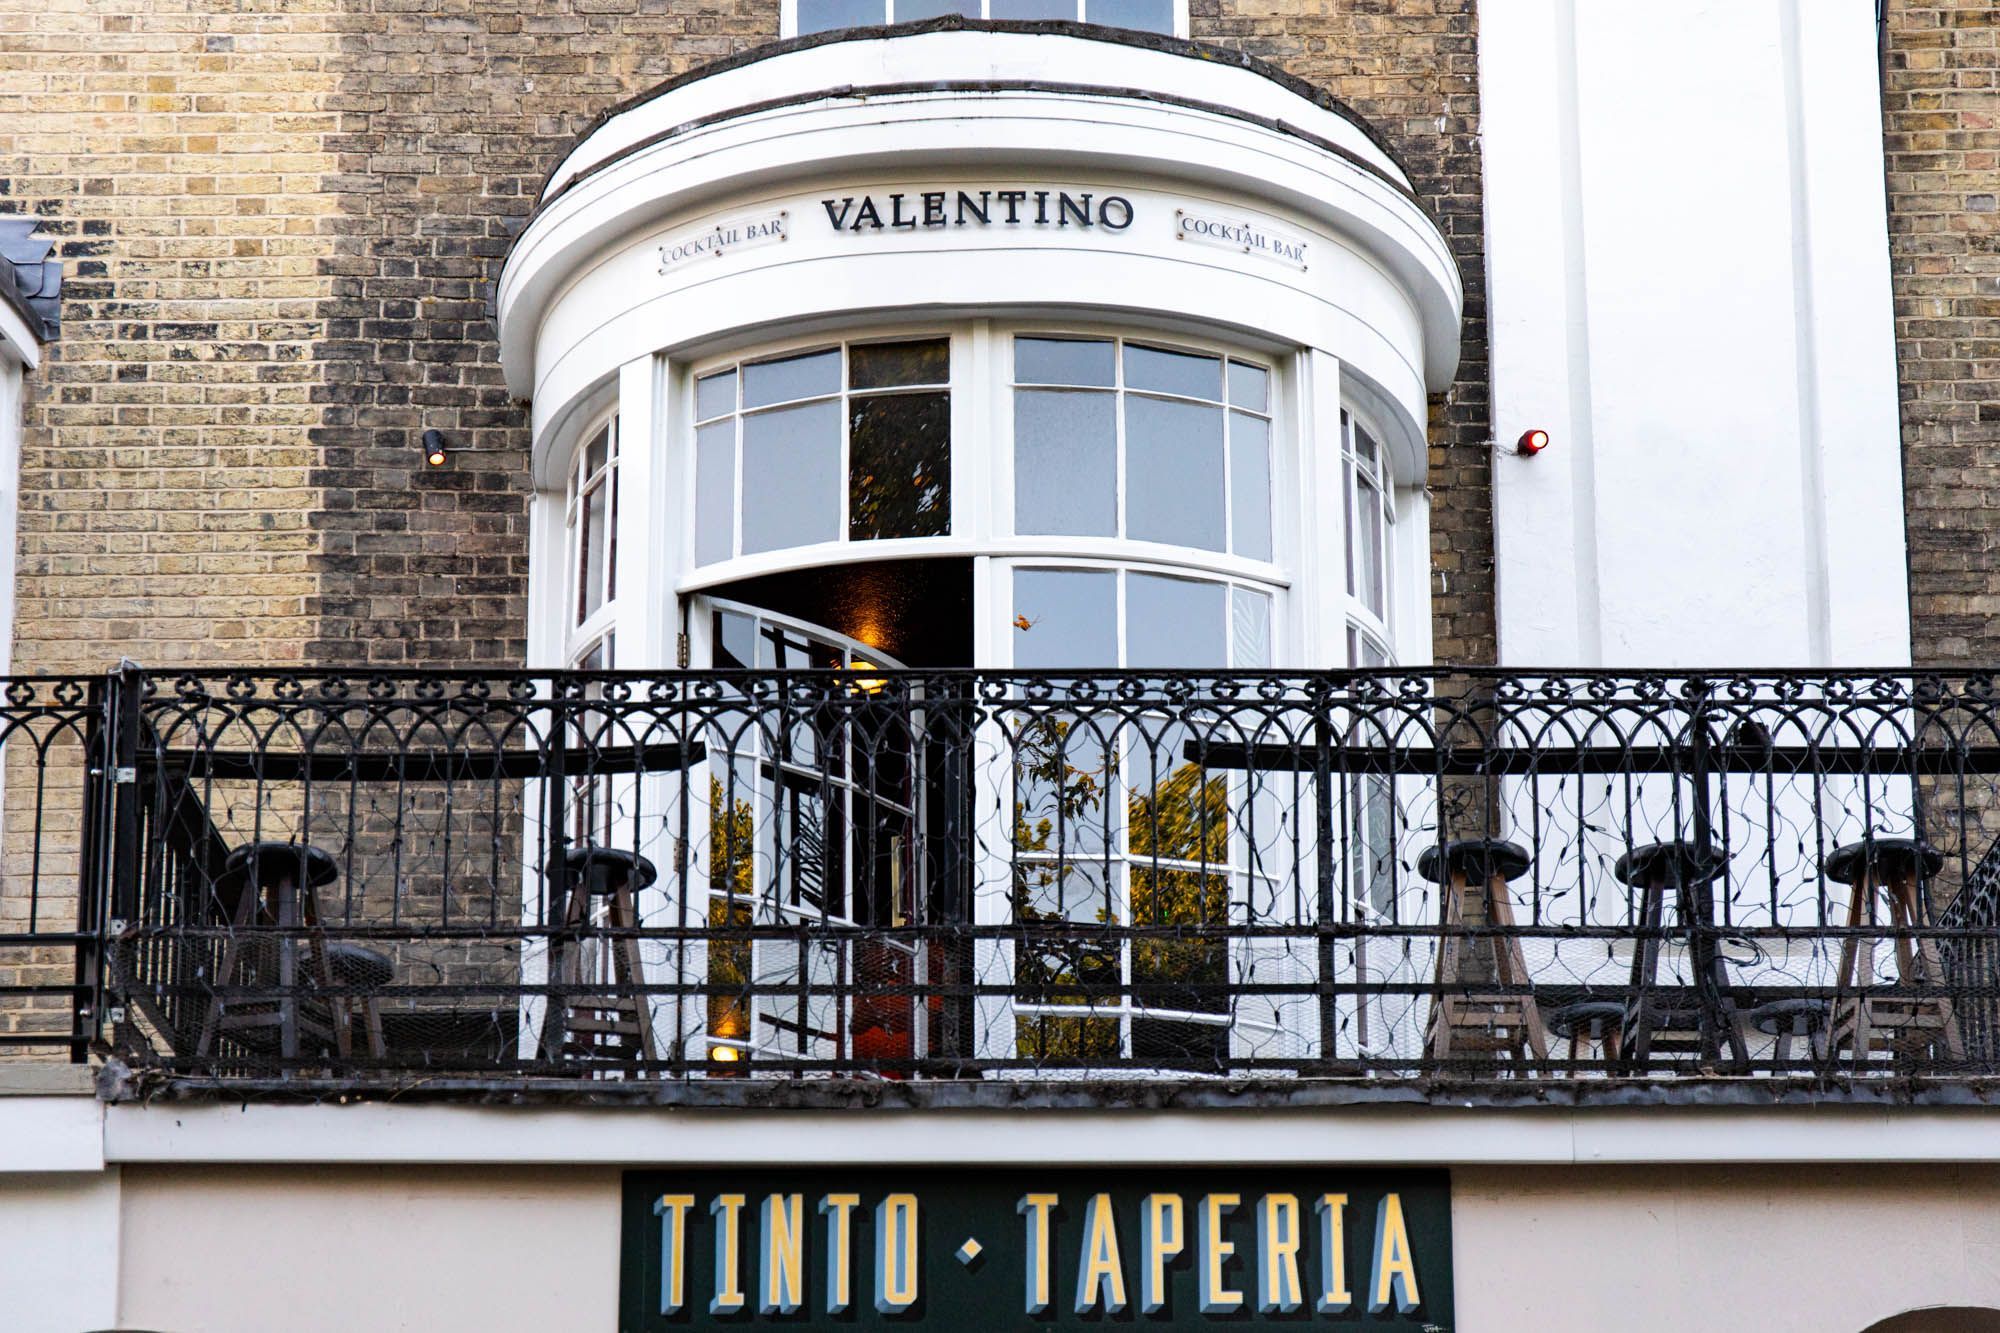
(1863, 1021)
(1473, 876)
(582, 1021)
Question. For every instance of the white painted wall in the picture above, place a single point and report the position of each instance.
(1689, 289)
(60, 1258)
(1729, 1250)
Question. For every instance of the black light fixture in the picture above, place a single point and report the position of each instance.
(434, 447)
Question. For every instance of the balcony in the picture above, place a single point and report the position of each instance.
(728, 887)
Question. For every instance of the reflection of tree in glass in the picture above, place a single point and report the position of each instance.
(1182, 819)
(1053, 798)
(899, 466)
(731, 872)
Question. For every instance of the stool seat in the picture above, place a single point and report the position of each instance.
(1690, 864)
(266, 863)
(1788, 1016)
(359, 967)
(605, 870)
(1476, 859)
(1570, 1019)
(1890, 858)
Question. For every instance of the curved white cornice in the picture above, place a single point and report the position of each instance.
(972, 104)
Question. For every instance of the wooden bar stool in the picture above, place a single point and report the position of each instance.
(1896, 869)
(1473, 876)
(362, 971)
(1599, 1023)
(615, 1027)
(1788, 1021)
(1686, 869)
(270, 884)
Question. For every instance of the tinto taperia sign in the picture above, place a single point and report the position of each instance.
(967, 1250)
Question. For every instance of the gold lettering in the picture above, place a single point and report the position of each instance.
(1394, 1274)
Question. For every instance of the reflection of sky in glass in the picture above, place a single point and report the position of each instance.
(1072, 618)
(714, 395)
(1250, 485)
(714, 490)
(1173, 472)
(1063, 361)
(1065, 462)
(791, 466)
(1173, 622)
(808, 376)
(1161, 371)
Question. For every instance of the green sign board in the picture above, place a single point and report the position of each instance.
(1031, 1248)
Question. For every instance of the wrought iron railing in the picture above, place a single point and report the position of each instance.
(706, 881)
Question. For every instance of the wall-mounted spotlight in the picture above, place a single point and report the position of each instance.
(1531, 443)
(434, 447)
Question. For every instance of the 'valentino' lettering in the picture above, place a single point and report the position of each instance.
(932, 210)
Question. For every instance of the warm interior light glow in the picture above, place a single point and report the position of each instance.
(726, 1054)
(866, 684)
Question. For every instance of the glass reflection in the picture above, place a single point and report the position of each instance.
(1065, 462)
(1173, 473)
(899, 466)
(791, 464)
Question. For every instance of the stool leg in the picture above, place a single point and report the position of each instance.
(625, 916)
(1513, 968)
(1452, 915)
(211, 1023)
(562, 964)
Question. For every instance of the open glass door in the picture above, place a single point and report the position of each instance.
(816, 807)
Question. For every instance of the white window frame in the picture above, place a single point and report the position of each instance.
(1362, 625)
(788, 17)
(581, 634)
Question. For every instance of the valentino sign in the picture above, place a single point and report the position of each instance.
(918, 210)
(1170, 1248)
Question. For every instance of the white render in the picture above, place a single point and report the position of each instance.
(1688, 271)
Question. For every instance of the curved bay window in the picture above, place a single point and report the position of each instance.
(801, 17)
(1369, 489)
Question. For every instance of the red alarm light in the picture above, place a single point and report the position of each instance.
(1531, 443)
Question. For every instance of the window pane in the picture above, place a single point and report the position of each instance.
(909, 11)
(590, 565)
(1249, 386)
(793, 377)
(890, 365)
(1250, 628)
(1145, 15)
(899, 466)
(1065, 618)
(791, 477)
(596, 451)
(1368, 545)
(735, 640)
(1065, 462)
(1250, 485)
(1031, 9)
(1063, 361)
(1173, 372)
(1173, 622)
(714, 395)
(827, 15)
(1366, 448)
(714, 490)
(1173, 473)
(1363, 651)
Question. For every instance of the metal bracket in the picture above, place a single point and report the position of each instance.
(124, 773)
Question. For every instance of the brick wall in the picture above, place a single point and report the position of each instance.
(176, 148)
(1942, 126)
